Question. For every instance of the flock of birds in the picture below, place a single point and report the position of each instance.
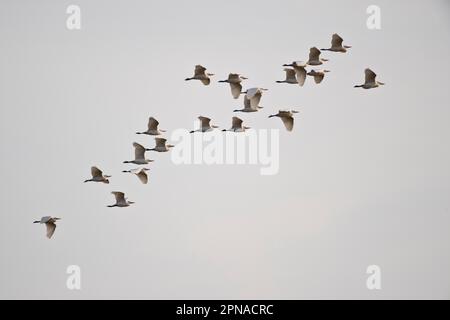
(296, 73)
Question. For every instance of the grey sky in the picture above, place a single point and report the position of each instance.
(364, 176)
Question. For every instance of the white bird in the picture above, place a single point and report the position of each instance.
(205, 125)
(121, 201)
(251, 100)
(49, 223)
(235, 79)
(317, 74)
(161, 145)
(370, 81)
(236, 125)
(336, 44)
(290, 77)
(152, 128)
(139, 155)
(140, 173)
(201, 74)
(314, 57)
(300, 71)
(287, 117)
(98, 176)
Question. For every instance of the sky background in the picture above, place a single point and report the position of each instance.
(364, 177)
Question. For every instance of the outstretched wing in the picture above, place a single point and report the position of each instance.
(152, 124)
(314, 53)
(120, 196)
(234, 77)
(318, 77)
(301, 75)
(236, 122)
(236, 89)
(204, 121)
(96, 172)
(199, 70)
(336, 40)
(370, 76)
(142, 176)
(206, 81)
(288, 122)
(160, 142)
(139, 151)
(51, 226)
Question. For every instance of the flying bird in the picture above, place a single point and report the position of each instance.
(300, 71)
(98, 176)
(121, 201)
(201, 74)
(236, 125)
(287, 117)
(314, 57)
(161, 145)
(140, 173)
(290, 77)
(318, 75)
(152, 128)
(139, 155)
(235, 80)
(370, 81)
(336, 44)
(49, 223)
(205, 125)
(251, 100)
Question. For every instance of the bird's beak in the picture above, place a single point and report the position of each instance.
(170, 146)
(244, 78)
(288, 65)
(326, 70)
(323, 59)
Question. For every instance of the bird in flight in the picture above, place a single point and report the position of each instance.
(121, 201)
(236, 125)
(139, 155)
(161, 145)
(98, 176)
(300, 71)
(287, 117)
(370, 81)
(336, 44)
(205, 125)
(251, 100)
(235, 79)
(49, 223)
(201, 74)
(152, 128)
(140, 173)
(314, 57)
(318, 74)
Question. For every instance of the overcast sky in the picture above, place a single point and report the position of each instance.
(364, 177)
